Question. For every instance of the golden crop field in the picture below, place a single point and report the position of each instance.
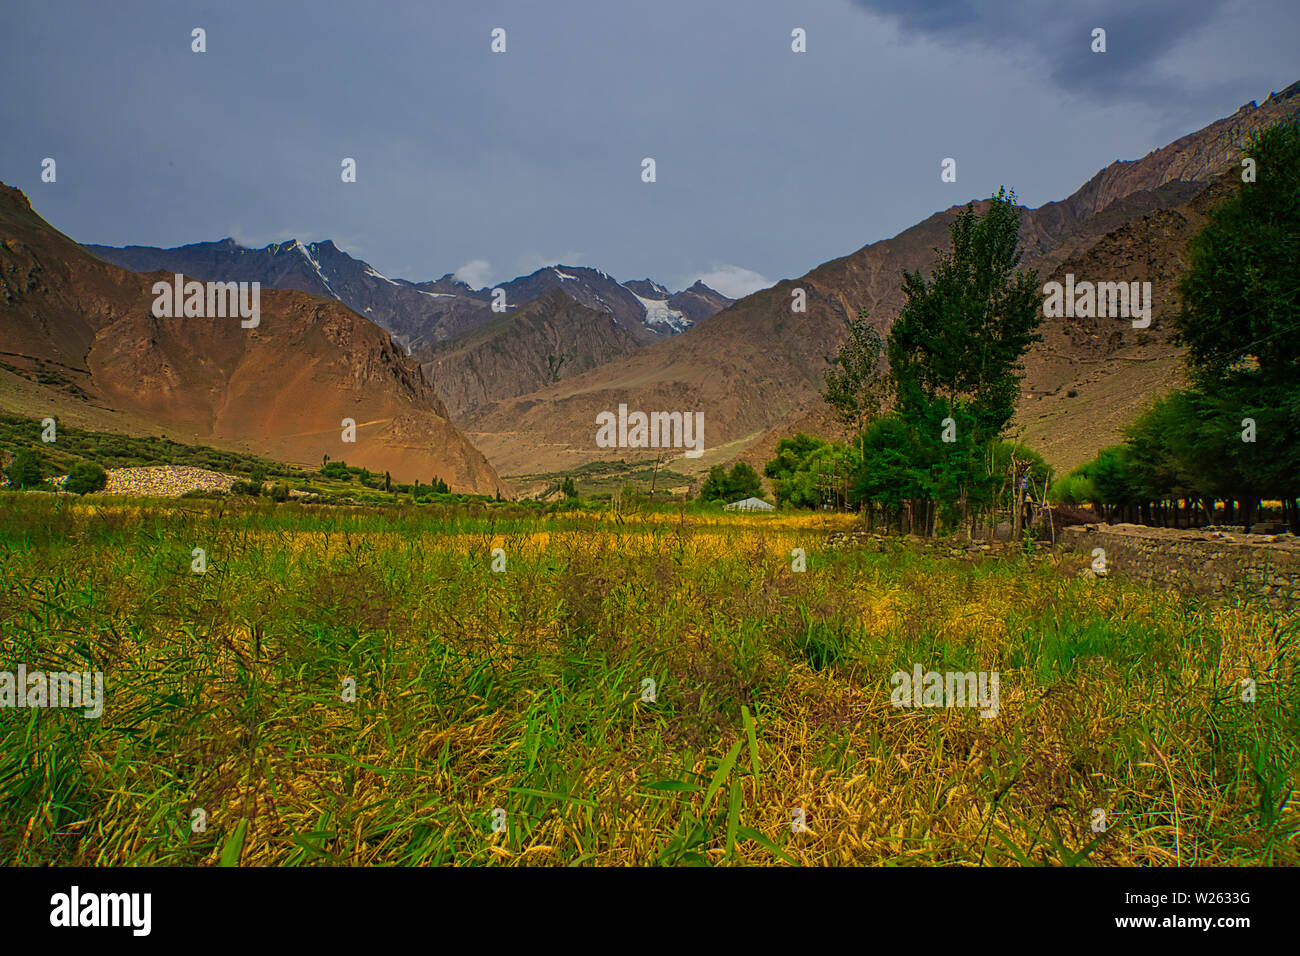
(362, 687)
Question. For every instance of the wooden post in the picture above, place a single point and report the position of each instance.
(1017, 500)
(654, 476)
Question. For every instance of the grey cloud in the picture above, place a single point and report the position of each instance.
(769, 161)
(1056, 37)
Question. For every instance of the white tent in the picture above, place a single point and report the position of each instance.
(750, 504)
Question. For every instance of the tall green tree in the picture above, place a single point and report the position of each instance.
(1240, 295)
(856, 384)
(1112, 478)
(1239, 318)
(955, 350)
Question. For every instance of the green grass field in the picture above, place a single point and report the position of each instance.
(522, 691)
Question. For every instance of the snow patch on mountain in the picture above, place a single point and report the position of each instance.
(658, 312)
(297, 244)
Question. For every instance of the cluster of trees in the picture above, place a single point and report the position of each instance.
(337, 470)
(341, 471)
(809, 472)
(1194, 459)
(1212, 452)
(742, 482)
(28, 471)
(950, 374)
(436, 487)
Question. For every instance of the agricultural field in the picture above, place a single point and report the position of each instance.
(479, 685)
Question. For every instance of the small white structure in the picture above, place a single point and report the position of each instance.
(749, 504)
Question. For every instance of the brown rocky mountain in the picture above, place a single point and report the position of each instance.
(549, 339)
(698, 302)
(80, 341)
(1090, 377)
(758, 365)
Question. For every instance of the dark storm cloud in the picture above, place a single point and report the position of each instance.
(1056, 37)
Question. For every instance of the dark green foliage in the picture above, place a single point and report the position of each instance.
(856, 386)
(25, 471)
(955, 355)
(824, 644)
(1240, 315)
(1189, 447)
(742, 482)
(960, 337)
(891, 471)
(1235, 435)
(745, 482)
(807, 470)
(85, 477)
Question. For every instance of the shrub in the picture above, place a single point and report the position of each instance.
(85, 477)
(246, 488)
(279, 492)
(25, 470)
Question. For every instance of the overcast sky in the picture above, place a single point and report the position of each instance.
(768, 161)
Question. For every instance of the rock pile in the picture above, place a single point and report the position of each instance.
(165, 480)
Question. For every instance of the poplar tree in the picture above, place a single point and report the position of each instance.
(1240, 320)
(955, 351)
(855, 386)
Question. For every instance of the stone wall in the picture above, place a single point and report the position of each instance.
(1200, 562)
